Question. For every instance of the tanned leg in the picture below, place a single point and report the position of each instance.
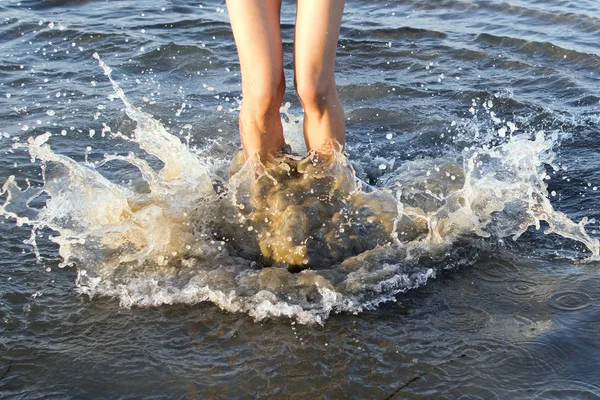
(255, 25)
(316, 37)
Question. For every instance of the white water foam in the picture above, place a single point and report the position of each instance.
(179, 241)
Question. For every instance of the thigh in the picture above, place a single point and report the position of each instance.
(316, 37)
(255, 25)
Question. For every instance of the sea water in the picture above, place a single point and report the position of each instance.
(455, 162)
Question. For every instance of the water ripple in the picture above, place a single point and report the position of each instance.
(570, 301)
(521, 287)
(496, 271)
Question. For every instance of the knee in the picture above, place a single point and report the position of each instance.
(314, 94)
(263, 99)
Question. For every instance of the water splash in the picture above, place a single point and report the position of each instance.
(178, 240)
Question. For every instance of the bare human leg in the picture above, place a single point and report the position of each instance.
(255, 25)
(316, 37)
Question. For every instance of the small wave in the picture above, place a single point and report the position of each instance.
(530, 14)
(207, 27)
(175, 57)
(550, 51)
(587, 23)
(46, 4)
